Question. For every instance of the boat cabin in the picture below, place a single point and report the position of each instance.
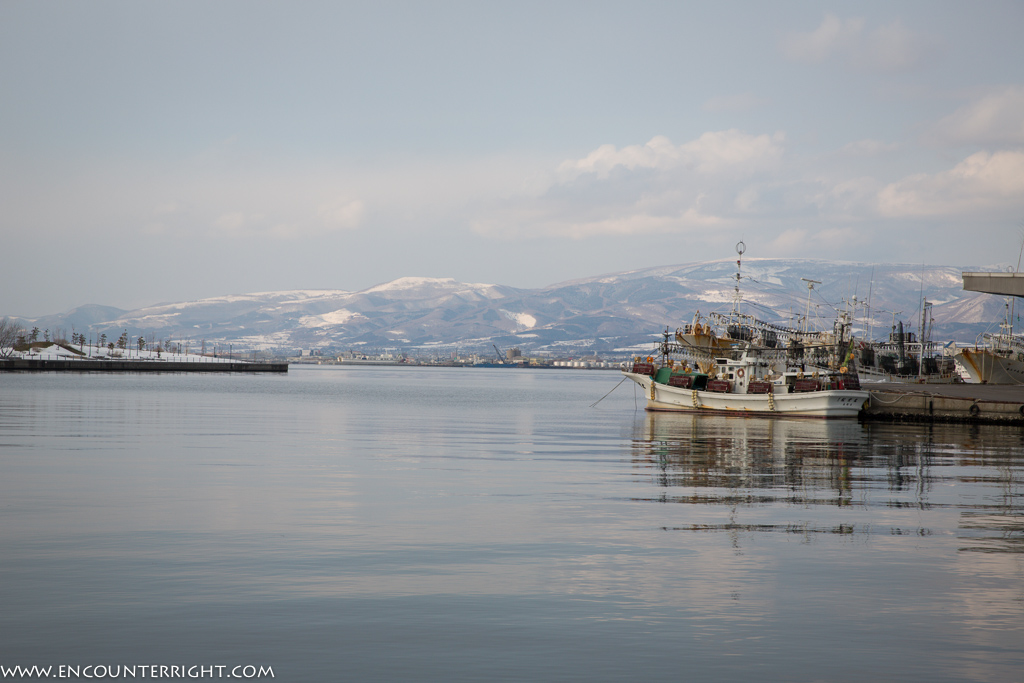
(744, 375)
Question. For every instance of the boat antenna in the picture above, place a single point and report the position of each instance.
(740, 248)
(1020, 233)
(894, 314)
(920, 298)
(807, 313)
(867, 308)
(1014, 305)
(926, 312)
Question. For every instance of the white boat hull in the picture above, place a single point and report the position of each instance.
(829, 403)
(985, 367)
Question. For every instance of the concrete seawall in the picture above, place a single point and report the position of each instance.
(974, 403)
(36, 365)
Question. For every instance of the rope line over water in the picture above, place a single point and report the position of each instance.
(609, 393)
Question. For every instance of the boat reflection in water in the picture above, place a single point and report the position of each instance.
(840, 477)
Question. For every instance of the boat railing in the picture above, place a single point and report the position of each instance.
(1002, 341)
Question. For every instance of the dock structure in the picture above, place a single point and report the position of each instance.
(107, 365)
(974, 403)
(1005, 284)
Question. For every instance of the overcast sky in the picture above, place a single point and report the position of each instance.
(171, 151)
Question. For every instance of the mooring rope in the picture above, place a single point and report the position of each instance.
(609, 393)
(900, 395)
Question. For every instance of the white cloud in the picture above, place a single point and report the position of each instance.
(233, 221)
(890, 47)
(802, 240)
(980, 184)
(790, 241)
(996, 118)
(834, 35)
(288, 231)
(289, 220)
(657, 187)
(712, 152)
(344, 214)
(729, 179)
(732, 150)
(631, 220)
(643, 223)
(853, 198)
(659, 152)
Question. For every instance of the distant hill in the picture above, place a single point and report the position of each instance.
(616, 312)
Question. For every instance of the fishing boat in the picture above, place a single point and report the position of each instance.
(735, 363)
(904, 359)
(995, 358)
(746, 381)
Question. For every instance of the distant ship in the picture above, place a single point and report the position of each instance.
(904, 359)
(996, 358)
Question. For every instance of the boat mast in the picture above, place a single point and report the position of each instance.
(740, 248)
(867, 308)
(926, 309)
(807, 313)
(1014, 308)
(1006, 329)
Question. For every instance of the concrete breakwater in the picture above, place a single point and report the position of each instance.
(107, 365)
(975, 403)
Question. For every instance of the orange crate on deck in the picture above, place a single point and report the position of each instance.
(807, 385)
(721, 386)
(759, 387)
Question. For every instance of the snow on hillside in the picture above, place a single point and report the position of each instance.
(292, 294)
(431, 286)
(524, 320)
(614, 310)
(338, 317)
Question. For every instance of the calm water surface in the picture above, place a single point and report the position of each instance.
(455, 524)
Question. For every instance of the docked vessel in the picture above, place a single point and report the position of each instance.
(737, 364)
(995, 358)
(994, 365)
(904, 359)
(747, 381)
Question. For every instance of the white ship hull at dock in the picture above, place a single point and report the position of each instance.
(986, 366)
(830, 403)
(995, 358)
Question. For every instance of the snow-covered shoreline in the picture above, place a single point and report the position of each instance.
(70, 352)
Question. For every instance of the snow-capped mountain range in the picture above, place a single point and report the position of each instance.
(614, 312)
